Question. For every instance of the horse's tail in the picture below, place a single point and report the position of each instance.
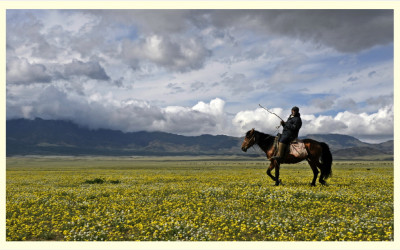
(326, 159)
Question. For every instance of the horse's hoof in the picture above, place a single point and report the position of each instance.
(312, 184)
(277, 183)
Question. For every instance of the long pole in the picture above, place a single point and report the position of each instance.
(271, 112)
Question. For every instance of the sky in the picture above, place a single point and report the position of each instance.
(194, 72)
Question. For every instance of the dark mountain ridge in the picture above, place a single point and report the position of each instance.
(57, 137)
(53, 136)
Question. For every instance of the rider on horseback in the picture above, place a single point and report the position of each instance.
(290, 132)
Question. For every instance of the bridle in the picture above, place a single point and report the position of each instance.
(253, 138)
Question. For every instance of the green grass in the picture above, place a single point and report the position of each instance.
(194, 199)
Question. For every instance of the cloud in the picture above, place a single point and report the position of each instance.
(187, 121)
(324, 103)
(174, 88)
(200, 71)
(172, 53)
(346, 104)
(322, 124)
(371, 74)
(286, 70)
(185, 40)
(155, 21)
(23, 29)
(92, 70)
(356, 96)
(195, 86)
(354, 30)
(380, 101)
(102, 111)
(97, 111)
(20, 71)
(237, 83)
(381, 122)
(361, 125)
(202, 118)
(259, 119)
(215, 107)
(352, 79)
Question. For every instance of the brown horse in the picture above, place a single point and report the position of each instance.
(316, 151)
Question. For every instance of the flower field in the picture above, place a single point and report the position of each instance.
(184, 199)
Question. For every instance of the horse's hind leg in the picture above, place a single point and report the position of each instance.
(315, 171)
(321, 178)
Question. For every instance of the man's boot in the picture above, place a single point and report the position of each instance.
(281, 152)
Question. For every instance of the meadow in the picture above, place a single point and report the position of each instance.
(194, 199)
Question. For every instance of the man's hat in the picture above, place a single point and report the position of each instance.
(296, 109)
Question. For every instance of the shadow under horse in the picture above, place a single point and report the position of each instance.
(316, 151)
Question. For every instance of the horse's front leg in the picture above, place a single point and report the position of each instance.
(277, 181)
(271, 166)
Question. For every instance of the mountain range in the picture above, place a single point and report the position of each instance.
(58, 137)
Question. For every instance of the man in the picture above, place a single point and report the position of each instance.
(290, 132)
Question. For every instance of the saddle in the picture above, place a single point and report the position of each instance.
(296, 147)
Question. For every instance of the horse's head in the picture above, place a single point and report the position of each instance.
(249, 140)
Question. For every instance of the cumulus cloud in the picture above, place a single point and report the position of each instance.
(184, 120)
(215, 107)
(259, 119)
(368, 127)
(129, 115)
(380, 122)
(322, 124)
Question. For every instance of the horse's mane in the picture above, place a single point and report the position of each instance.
(264, 140)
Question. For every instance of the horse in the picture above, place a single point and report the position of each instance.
(316, 151)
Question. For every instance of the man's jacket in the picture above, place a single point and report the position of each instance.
(292, 126)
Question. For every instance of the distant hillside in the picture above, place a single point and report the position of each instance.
(62, 137)
(55, 137)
